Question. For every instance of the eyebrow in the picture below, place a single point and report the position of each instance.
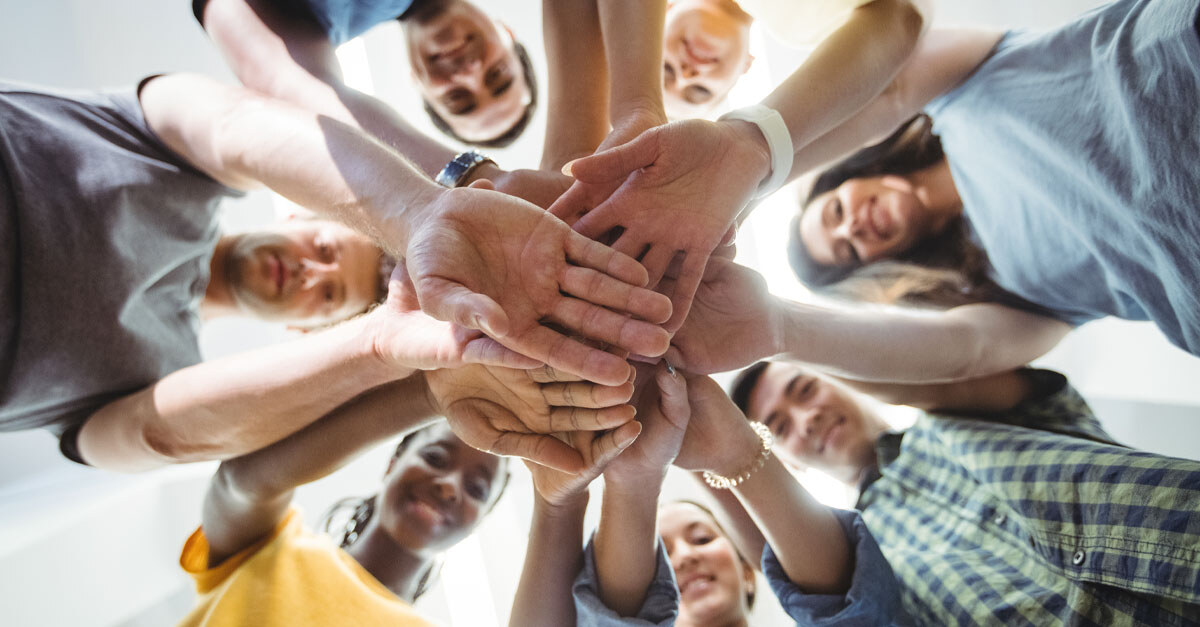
(791, 386)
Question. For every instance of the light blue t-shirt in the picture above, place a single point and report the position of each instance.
(1077, 156)
(344, 20)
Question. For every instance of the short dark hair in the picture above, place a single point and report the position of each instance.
(507, 137)
(743, 385)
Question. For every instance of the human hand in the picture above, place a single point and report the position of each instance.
(513, 412)
(489, 261)
(557, 488)
(663, 411)
(540, 187)
(674, 189)
(403, 335)
(719, 437)
(733, 322)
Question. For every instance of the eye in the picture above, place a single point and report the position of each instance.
(697, 94)
(837, 209)
(808, 388)
(328, 293)
(479, 489)
(702, 538)
(668, 74)
(435, 458)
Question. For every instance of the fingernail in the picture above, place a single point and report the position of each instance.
(627, 440)
(566, 169)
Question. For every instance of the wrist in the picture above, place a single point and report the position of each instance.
(754, 152)
(568, 507)
(631, 492)
(407, 213)
(740, 450)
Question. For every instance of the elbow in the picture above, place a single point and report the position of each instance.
(904, 20)
(236, 479)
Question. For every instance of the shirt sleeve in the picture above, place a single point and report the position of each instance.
(660, 607)
(873, 598)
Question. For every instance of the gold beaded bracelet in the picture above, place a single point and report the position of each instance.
(725, 483)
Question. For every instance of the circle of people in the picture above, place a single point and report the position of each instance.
(1014, 185)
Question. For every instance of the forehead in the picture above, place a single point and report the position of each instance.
(771, 388)
(440, 435)
(814, 233)
(675, 518)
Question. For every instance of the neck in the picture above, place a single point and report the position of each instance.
(395, 566)
(868, 458)
(934, 187)
(218, 298)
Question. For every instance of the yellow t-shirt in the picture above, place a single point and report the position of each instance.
(292, 578)
(800, 23)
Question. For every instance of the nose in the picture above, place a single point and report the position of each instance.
(807, 418)
(446, 489)
(682, 554)
(687, 70)
(314, 272)
(468, 73)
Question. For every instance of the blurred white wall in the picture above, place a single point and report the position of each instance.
(81, 547)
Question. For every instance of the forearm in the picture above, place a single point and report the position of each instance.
(851, 67)
(315, 161)
(577, 116)
(805, 535)
(286, 55)
(340, 436)
(625, 544)
(231, 406)
(993, 393)
(910, 346)
(633, 35)
(249, 495)
(553, 558)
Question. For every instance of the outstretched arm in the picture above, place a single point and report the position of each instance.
(479, 258)
(577, 116)
(627, 537)
(234, 405)
(736, 322)
(554, 553)
(805, 535)
(249, 495)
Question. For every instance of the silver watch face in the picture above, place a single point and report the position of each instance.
(455, 172)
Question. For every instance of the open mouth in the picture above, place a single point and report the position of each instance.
(881, 221)
(432, 515)
(696, 585)
(697, 55)
(276, 272)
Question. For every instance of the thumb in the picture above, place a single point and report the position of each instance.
(482, 184)
(607, 447)
(453, 302)
(616, 163)
(546, 450)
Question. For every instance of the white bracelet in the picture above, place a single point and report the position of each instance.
(779, 141)
(724, 483)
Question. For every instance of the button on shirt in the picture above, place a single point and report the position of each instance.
(1036, 518)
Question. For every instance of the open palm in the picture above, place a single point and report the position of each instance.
(489, 261)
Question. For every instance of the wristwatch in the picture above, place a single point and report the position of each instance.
(455, 173)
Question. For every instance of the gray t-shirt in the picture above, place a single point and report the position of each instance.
(105, 242)
(1075, 153)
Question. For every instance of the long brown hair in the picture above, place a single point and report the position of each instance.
(942, 271)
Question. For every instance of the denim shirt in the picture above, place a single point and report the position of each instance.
(660, 607)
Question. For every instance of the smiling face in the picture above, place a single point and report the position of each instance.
(815, 421)
(467, 70)
(865, 220)
(713, 581)
(306, 272)
(706, 49)
(437, 490)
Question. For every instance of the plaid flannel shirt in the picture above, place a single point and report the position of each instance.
(1036, 518)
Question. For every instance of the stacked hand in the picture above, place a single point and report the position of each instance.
(489, 261)
(516, 412)
(663, 411)
(734, 321)
(719, 437)
(674, 189)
